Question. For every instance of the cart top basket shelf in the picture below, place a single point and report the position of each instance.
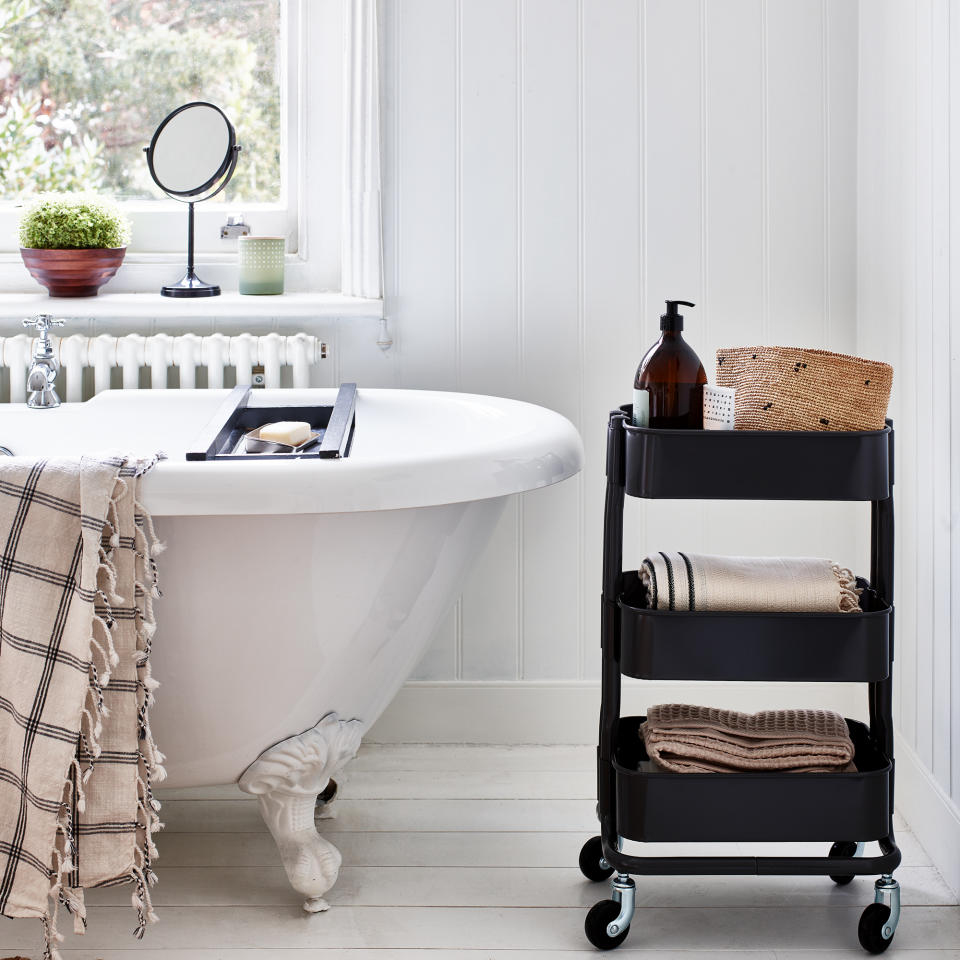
(757, 465)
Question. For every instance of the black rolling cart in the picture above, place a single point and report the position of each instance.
(639, 802)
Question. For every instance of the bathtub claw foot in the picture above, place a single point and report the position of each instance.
(286, 779)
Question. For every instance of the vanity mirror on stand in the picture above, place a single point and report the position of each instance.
(192, 157)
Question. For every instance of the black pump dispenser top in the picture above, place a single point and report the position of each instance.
(671, 320)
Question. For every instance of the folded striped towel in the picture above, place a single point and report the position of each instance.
(689, 739)
(697, 581)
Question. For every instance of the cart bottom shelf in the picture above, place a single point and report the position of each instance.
(657, 806)
(640, 866)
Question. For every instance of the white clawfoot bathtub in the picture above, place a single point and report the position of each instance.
(299, 595)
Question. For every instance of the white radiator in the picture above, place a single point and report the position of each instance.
(252, 357)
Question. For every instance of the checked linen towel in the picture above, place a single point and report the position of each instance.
(77, 757)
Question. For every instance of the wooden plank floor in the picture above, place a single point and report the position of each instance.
(471, 852)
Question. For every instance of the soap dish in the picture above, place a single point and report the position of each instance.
(253, 444)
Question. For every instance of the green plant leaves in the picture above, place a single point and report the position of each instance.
(73, 222)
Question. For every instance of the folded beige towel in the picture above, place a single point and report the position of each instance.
(688, 739)
(697, 581)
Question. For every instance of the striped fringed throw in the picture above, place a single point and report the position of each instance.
(77, 757)
(687, 739)
(696, 581)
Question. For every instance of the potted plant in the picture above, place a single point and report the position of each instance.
(73, 243)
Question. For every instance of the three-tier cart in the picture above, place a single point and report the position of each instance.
(639, 802)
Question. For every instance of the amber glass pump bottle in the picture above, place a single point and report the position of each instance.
(668, 389)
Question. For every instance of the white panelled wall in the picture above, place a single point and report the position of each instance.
(909, 262)
(555, 169)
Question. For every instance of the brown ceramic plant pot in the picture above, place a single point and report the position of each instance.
(72, 273)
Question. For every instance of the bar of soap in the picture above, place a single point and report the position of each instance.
(292, 432)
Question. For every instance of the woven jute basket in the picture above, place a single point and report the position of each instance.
(790, 388)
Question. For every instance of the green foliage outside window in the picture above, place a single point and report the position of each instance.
(84, 83)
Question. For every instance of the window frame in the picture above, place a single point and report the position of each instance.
(309, 210)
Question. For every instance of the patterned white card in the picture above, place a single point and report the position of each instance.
(719, 405)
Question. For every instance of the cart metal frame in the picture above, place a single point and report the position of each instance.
(880, 725)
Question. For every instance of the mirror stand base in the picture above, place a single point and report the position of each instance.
(190, 286)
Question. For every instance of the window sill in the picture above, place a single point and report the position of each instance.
(294, 306)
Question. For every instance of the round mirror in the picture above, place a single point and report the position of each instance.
(192, 150)
(191, 157)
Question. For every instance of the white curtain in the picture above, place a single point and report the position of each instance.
(361, 253)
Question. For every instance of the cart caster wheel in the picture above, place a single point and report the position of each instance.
(601, 915)
(843, 848)
(592, 864)
(872, 923)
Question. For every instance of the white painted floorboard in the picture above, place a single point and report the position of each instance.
(470, 852)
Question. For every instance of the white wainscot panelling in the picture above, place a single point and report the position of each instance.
(908, 264)
(550, 327)
(555, 169)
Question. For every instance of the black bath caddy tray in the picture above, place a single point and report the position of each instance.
(757, 464)
(222, 436)
(654, 805)
(715, 645)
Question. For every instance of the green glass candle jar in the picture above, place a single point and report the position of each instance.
(261, 264)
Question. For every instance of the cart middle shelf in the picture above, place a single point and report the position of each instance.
(713, 645)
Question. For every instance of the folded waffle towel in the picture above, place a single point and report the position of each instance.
(697, 581)
(77, 757)
(689, 739)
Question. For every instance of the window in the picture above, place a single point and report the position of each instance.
(83, 84)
